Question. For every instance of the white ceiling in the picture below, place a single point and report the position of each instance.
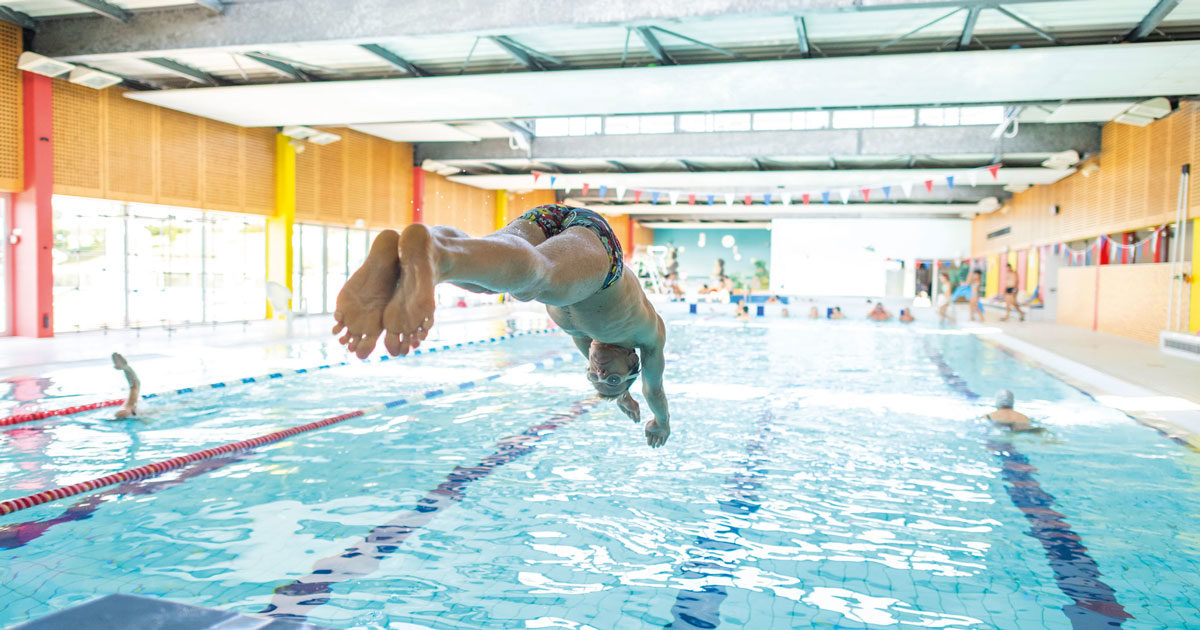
(1040, 74)
(417, 132)
(796, 209)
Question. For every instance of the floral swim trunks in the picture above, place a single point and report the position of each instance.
(555, 218)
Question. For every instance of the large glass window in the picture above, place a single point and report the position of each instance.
(235, 249)
(5, 217)
(336, 264)
(311, 252)
(89, 264)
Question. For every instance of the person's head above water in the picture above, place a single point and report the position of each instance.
(612, 369)
(1004, 399)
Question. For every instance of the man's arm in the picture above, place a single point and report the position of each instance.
(653, 365)
(584, 344)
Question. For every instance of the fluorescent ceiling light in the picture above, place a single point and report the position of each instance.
(324, 137)
(92, 78)
(43, 65)
(1154, 108)
(299, 132)
(1133, 119)
(1062, 160)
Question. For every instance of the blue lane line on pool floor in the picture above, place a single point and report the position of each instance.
(297, 599)
(1077, 574)
(702, 609)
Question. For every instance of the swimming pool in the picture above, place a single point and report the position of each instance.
(820, 474)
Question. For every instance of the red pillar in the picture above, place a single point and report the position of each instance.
(418, 215)
(1126, 239)
(1103, 247)
(629, 232)
(33, 280)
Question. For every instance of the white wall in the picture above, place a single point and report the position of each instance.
(850, 256)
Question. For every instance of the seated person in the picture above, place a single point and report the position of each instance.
(1005, 416)
(129, 409)
(906, 316)
(813, 313)
(774, 299)
(743, 312)
(879, 313)
(837, 313)
(784, 313)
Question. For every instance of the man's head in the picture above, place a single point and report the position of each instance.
(1004, 399)
(612, 369)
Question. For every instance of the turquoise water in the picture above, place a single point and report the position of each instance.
(820, 474)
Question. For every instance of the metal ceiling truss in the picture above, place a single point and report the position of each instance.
(186, 71)
(1152, 20)
(530, 58)
(1029, 25)
(905, 36)
(281, 67)
(654, 46)
(110, 11)
(968, 32)
(394, 59)
(802, 36)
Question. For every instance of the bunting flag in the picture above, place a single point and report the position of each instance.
(729, 199)
(553, 178)
(804, 198)
(586, 186)
(907, 186)
(710, 199)
(825, 197)
(603, 191)
(994, 170)
(691, 199)
(567, 190)
(929, 185)
(536, 175)
(747, 200)
(787, 198)
(674, 195)
(950, 182)
(620, 193)
(654, 197)
(887, 193)
(637, 196)
(766, 199)
(866, 192)
(973, 177)
(845, 193)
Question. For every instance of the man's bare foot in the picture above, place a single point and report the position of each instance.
(361, 302)
(409, 315)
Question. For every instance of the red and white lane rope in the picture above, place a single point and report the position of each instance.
(159, 467)
(67, 411)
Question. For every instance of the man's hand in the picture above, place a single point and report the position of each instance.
(630, 407)
(657, 433)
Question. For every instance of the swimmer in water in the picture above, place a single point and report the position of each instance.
(129, 409)
(566, 258)
(1005, 416)
(879, 313)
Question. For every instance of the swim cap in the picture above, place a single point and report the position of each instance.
(1004, 399)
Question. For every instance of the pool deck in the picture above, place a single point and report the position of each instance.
(1155, 388)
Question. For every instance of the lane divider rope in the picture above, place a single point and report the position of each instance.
(159, 467)
(67, 411)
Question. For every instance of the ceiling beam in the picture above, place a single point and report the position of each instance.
(186, 71)
(215, 7)
(530, 58)
(968, 32)
(1029, 25)
(281, 67)
(802, 36)
(1152, 20)
(920, 28)
(110, 11)
(394, 59)
(1035, 138)
(16, 17)
(654, 46)
(705, 45)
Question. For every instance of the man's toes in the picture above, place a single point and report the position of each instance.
(345, 339)
(366, 346)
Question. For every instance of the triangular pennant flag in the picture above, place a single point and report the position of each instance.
(620, 193)
(907, 186)
(674, 195)
(825, 197)
(729, 199)
(603, 191)
(973, 177)
(766, 199)
(866, 195)
(929, 185)
(994, 170)
(553, 179)
(710, 199)
(536, 175)
(845, 193)
(787, 198)
(747, 200)
(654, 197)
(637, 196)
(586, 186)
(950, 182)
(567, 190)
(805, 197)
(691, 199)
(887, 192)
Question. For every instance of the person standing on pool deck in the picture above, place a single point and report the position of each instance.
(566, 258)
(976, 300)
(129, 409)
(1010, 294)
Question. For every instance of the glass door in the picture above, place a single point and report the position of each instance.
(5, 293)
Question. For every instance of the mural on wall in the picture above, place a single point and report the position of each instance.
(744, 254)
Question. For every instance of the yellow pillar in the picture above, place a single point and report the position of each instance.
(281, 226)
(501, 217)
(1032, 270)
(1194, 313)
(991, 281)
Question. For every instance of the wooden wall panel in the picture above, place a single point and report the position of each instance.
(379, 201)
(519, 203)
(643, 235)
(1076, 295)
(179, 156)
(258, 171)
(130, 152)
(358, 178)
(331, 182)
(1136, 187)
(1133, 300)
(12, 143)
(402, 186)
(222, 169)
(78, 138)
(467, 208)
(306, 186)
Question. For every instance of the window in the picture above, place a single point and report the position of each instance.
(549, 127)
(311, 253)
(772, 121)
(585, 126)
(894, 118)
(853, 119)
(89, 264)
(4, 229)
(657, 124)
(621, 125)
(731, 122)
(694, 122)
(810, 120)
(235, 252)
(992, 115)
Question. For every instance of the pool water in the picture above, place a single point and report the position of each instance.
(820, 474)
